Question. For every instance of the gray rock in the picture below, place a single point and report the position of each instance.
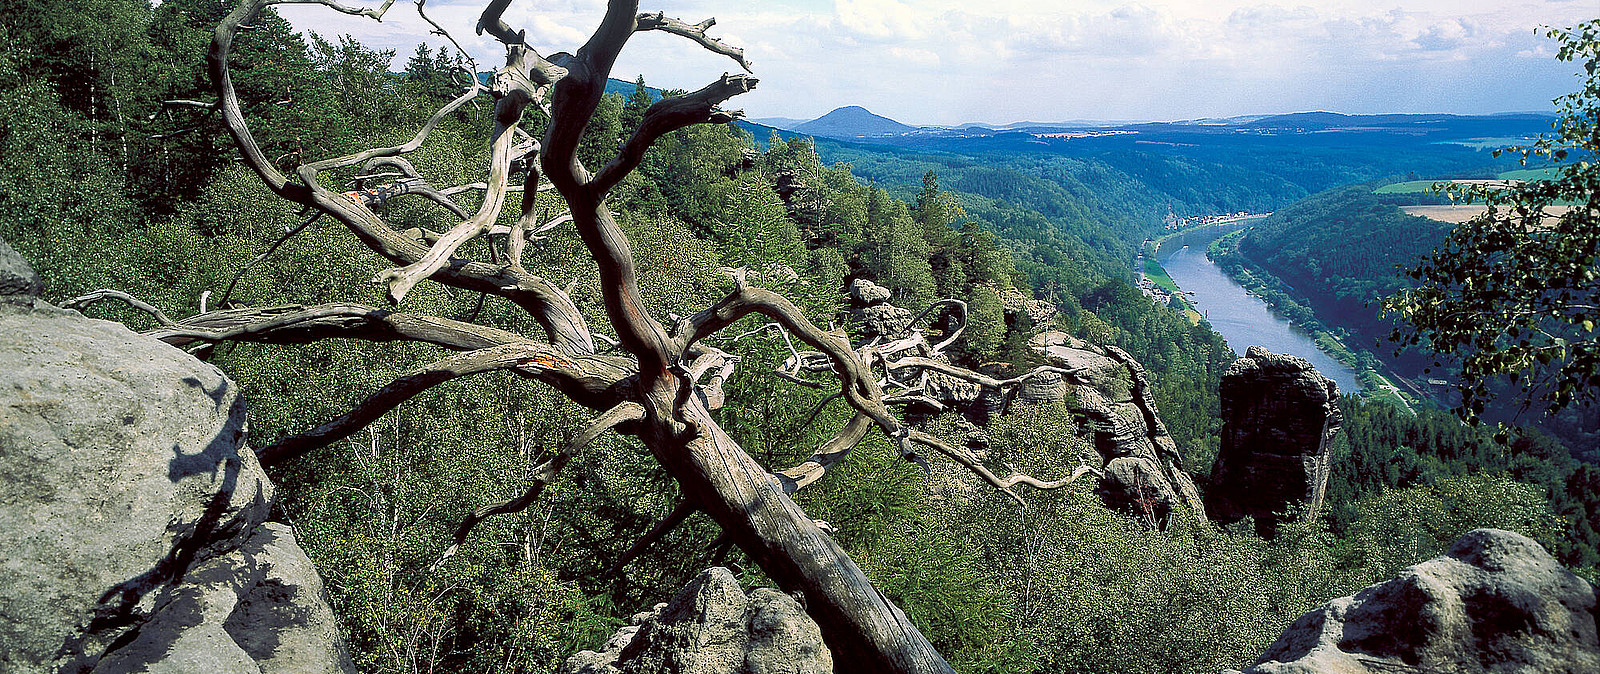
(257, 609)
(1497, 602)
(124, 483)
(883, 320)
(712, 627)
(1038, 311)
(18, 282)
(1143, 470)
(864, 293)
(1279, 417)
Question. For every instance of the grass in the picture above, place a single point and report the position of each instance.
(1528, 174)
(1489, 143)
(1408, 187)
(1159, 276)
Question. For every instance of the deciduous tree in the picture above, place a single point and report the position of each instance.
(1516, 291)
(658, 378)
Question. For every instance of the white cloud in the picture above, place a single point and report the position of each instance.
(948, 61)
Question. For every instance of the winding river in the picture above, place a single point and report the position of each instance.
(1241, 318)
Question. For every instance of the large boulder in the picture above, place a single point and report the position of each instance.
(713, 627)
(1497, 602)
(131, 511)
(873, 314)
(1279, 417)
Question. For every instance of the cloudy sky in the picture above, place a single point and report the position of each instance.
(953, 61)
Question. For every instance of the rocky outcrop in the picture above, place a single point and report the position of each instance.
(1497, 602)
(18, 282)
(131, 514)
(874, 315)
(713, 627)
(1143, 471)
(1018, 304)
(1279, 416)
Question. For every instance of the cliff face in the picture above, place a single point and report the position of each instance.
(1143, 471)
(1498, 602)
(1279, 416)
(132, 514)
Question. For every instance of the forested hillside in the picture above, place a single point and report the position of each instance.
(118, 173)
(1340, 252)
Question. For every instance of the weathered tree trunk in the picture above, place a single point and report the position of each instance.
(653, 392)
(865, 631)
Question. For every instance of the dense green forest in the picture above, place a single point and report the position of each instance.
(105, 183)
(1330, 258)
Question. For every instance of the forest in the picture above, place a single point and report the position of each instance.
(119, 171)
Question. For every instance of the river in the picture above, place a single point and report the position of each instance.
(1241, 318)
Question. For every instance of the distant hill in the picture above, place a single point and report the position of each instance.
(852, 121)
(785, 123)
(624, 88)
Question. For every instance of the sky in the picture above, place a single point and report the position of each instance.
(926, 62)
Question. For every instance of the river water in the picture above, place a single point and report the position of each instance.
(1243, 319)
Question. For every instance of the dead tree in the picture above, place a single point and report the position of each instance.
(667, 380)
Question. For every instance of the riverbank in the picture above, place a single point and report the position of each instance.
(1224, 251)
(1148, 267)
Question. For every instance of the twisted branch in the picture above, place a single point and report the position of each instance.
(966, 458)
(659, 21)
(517, 355)
(84, 301)
(543, 474)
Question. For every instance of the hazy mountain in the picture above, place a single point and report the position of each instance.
(852, 121)
(785, 123)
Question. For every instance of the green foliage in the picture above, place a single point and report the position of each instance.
(1513, 292)
(1382, 448)
(1398, 527)
(1063, 586)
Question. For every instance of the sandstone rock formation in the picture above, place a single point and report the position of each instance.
(1143, 471)
(1497, 602)
(1279, 416)
(713, 627)
(131, 514)
(1017, 303)
(869, 304)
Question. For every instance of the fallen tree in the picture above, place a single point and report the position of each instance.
(663, 380)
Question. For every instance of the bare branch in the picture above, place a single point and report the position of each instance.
(974, 464)
(104, 294)
(697, 32)
(919, 363)
(376, 14)
(668, 115)
(518, 355)
(859, 387)
(180, 103)
(416, 141)
(228, 294)
(440, 31)
(830, 452)
(679, 514)
(544, 474)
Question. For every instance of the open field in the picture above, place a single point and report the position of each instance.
(1490, 143)
(1424, 186)
(1408, 187)
(1528, 174)
(1460, 213)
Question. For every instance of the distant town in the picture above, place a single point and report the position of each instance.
(1175, 223)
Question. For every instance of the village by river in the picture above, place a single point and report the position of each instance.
(1241, 318)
